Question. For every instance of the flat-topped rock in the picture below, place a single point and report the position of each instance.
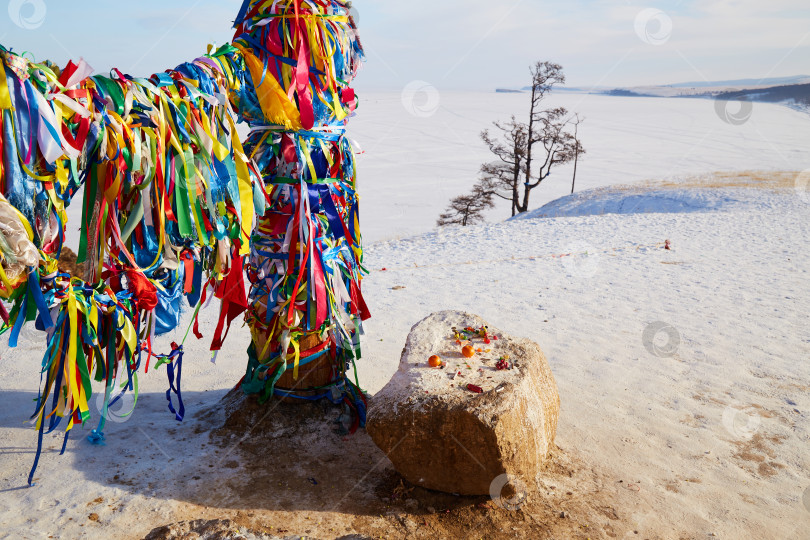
(460, 427)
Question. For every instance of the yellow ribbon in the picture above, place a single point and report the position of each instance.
(5, 97)
(77, 394)
(276, 106)
(245, 188)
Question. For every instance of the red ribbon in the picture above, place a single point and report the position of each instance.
(231, 291)
(188, 262)
(302, 72)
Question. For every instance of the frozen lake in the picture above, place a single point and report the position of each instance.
(415, 163)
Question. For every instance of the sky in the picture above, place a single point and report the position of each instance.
(453, 44)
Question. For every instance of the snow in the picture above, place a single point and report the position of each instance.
(611, 201)
(683, 371)
(645, 200)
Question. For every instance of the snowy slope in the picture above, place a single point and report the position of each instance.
(620, 201)
(651, 200)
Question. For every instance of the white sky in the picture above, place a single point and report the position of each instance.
(452, 44)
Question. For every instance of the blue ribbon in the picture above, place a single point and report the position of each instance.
(331, 211)
(174, 383)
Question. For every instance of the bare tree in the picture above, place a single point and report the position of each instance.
(528, 152)
(545, 76)
(557, 148)
(578, 147)
(502, 178)
(467, 209)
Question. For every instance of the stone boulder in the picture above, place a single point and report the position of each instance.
(460, 428)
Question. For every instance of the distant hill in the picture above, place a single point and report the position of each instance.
(794, 93)
(623, 92)
(774, 81)
(799, 94)
(704, 88)
(791, 91)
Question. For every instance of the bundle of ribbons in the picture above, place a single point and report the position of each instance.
(306, 256)
(170, 196)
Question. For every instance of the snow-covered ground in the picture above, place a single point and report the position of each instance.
(683, 373)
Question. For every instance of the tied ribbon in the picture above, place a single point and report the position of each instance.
(188, 271)
(5, 97)
(302, 72)
(174, 372)
(231, 291)
(143, 290)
